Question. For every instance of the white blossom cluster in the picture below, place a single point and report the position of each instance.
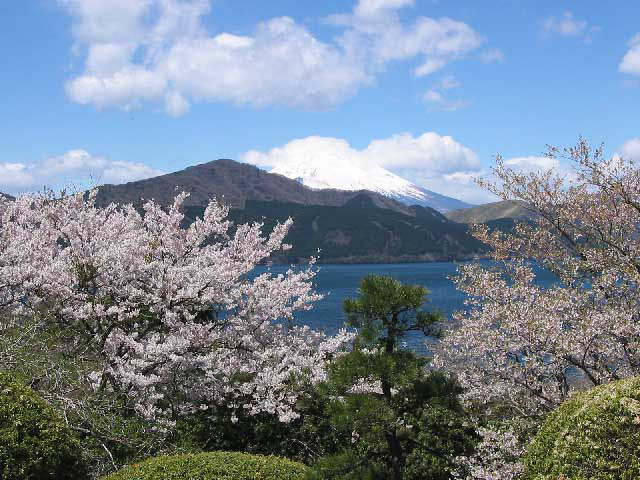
(497, 457)
(171, 314)
(528, 348)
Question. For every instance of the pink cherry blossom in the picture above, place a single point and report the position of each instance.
(527, 347)
(172, 313)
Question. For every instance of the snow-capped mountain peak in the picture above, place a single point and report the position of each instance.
(319, 170)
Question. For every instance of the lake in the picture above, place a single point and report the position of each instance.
(337, 282)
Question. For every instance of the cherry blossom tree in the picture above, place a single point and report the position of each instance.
(166, 316)
(497, 456)
(528, 347)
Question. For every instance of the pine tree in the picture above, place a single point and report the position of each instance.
(404, 421)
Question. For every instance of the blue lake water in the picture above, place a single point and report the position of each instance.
(337, 282)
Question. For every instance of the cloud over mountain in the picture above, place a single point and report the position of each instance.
(430, 160)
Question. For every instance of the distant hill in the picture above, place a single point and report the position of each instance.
(347, 226)
(361, 232)
(6, 195)
(233, 183)
(493, 212)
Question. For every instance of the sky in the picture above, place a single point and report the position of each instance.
(110, 91)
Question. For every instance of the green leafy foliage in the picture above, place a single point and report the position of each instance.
(109, 431)
(304, 439)
(424, 422)
(35, 443)
(595, 435)
(403, 421)
(212, 466)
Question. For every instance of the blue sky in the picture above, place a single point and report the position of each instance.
(116, 90)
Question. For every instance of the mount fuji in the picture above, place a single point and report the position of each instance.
(335, 172)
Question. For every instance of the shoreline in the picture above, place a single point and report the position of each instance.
(378, 260)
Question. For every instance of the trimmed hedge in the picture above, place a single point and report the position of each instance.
(212, 466)
(595, 435)
(35, 444)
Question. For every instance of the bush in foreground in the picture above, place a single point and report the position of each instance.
(595, 435)
(34, 441)
(213, 466)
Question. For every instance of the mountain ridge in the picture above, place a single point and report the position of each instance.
(345, 226)
(360, 232)
(488, 212)
(233, 183)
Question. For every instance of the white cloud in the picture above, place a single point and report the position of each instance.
(14, 176)
(541, 164)
(75, 168)
(122, 172)
(533, 163)
(436, 99)
(430, 152)
(631, 61)
(433, 96)
(311, 149)
(72, 161)
(282, 64)
(433, 161)
(128, 88)
(375, 30)
(630, 150)
(569, 26)
(369, 8)
(141, 51)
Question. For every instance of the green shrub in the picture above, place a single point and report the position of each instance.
(595, 435)
(304, 439)
(213, 466)
(34, 441)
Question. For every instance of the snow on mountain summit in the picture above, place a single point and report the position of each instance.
(320, 169)
(347, 175)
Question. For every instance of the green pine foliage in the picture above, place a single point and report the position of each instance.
(411, 425)
(35, 443)
(212, 466)
(595, 435)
